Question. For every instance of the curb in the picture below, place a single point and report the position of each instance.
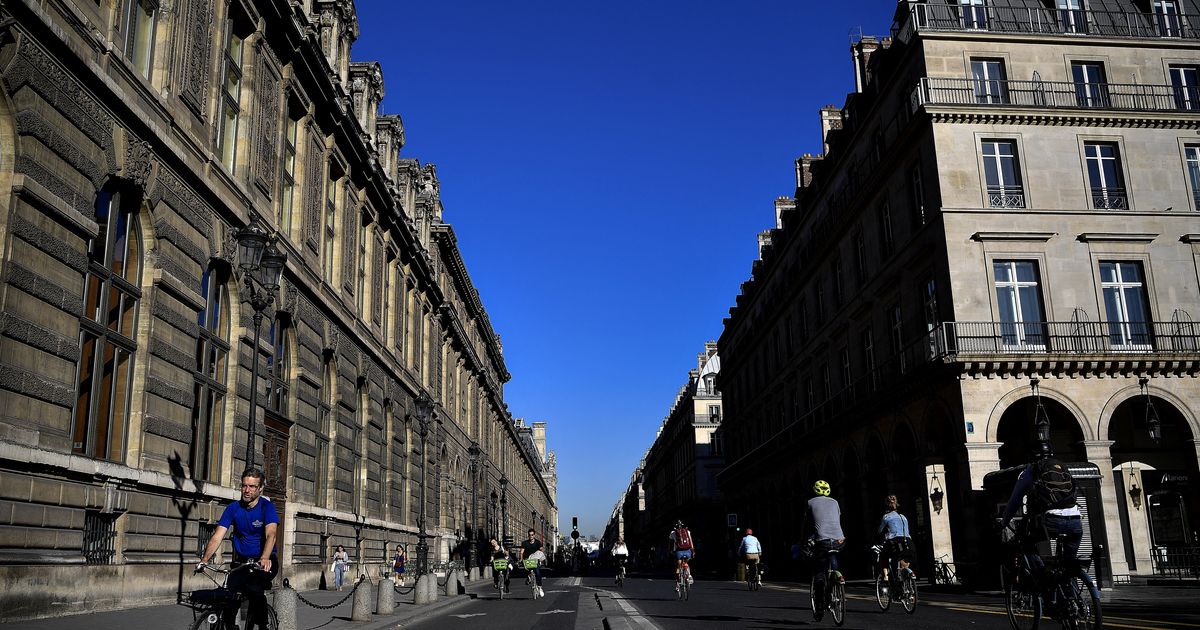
(420, 614)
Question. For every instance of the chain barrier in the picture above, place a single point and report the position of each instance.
(361, 579)
(404, 590)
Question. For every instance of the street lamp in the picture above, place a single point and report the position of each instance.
(424, 415)
(1041, 421)
(474, 452)
(504, 509)
(1153, 423)
(262, 264)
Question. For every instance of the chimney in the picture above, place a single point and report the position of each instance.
(831, 120)
(539, 438)
(860, 52)
(782, 206)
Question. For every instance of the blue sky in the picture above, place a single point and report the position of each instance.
(606, 167)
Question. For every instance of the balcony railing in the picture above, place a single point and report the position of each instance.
(1176, 562)
(1070, 337)
(1006, 197)
(1055, 94)
(1109, 199)
(1047, 21)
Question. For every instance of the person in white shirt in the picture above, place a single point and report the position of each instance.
(751, 551)
(620, 554)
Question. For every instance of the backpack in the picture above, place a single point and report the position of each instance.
(1053, 486)
(683, 538)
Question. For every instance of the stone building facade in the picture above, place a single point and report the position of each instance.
(1010, 194)
(136, 138)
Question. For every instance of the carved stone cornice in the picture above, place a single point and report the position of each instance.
(996, 115)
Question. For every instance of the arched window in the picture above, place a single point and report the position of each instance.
(212, 351)
(107, 331)
(277, 362)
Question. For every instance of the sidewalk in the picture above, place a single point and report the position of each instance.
(179, 617)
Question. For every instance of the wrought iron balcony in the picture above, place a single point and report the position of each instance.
(1006, 197)
(1109, 199)
(1046, 21)
(1055, 95)
(974, 338)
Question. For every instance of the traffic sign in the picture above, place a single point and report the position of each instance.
(731, 519)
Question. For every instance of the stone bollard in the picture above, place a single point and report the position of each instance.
(362, 601)
(451, 584)
(386, 602)
(473, 574)
(284, 602)
(421, 592)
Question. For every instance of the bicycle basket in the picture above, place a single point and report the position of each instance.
(210, 596)
(500, 565)
(531, 564)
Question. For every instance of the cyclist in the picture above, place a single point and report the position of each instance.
(500, 553)
(255, 524)
(826, 517)
(683, 547)
(751, 552)
(620, 554)
(897, 540)
(1051, 492)
(532, 549)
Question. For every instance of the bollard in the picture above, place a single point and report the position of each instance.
(284, 601)
(473, 574)
(451, 584)
(362, 601)
(421, 593)
(386, 602)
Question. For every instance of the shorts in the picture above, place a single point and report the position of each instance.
(683, 554)
(752, 557)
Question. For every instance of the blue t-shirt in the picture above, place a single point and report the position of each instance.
(249, 526)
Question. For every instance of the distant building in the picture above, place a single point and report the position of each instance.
(1011, 193)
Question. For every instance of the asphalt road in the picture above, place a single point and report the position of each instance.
(644, 603)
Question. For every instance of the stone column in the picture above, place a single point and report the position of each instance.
(1099, 452)
(982, 458)
(939, 523)
(1139, 519)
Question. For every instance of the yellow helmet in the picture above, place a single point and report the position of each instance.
(821, 487)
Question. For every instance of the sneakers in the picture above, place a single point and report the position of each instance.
(541, 592)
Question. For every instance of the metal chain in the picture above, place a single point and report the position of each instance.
(330, 606)
(404, 590)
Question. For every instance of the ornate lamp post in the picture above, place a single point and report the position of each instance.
(474, 452)
(1153, 423)
(424, 416)
(504, 510)
(1041, 421)
(262, 264)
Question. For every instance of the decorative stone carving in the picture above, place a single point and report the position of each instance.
(197, 42)
(139, 162)
(290, 297)
(266, 124)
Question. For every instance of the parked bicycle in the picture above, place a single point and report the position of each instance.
(220, 608)
(832, 595)
(899, 585)
(683, 580)
(943, 572)
(1056, 587)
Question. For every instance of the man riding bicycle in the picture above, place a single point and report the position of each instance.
(255, 524)
(532, 549)
(620, 554)
(1051, 496)
(751, 552)
(826, 517)
(897, 541)
(683, 547)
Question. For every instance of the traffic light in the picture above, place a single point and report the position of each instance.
(574, 522)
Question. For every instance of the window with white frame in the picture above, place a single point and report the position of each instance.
(1125, 305)
(287, 175)
(1002, 174)
(1091, 87)
(973, 14)
(1191, 154)
(1167, 18)
(991, 85)
(867, 339)
(329, 230)
(1019, 302)
(1185, 85)
(1105, 181)
(210, 389)
(229, 116)
(140, 21)
(1071, 17)
(886, 235)
(916, 188)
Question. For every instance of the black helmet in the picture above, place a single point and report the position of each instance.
(1042, 449)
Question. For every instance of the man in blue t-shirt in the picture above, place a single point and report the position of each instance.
(255, 524)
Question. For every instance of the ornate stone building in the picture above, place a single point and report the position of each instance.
(136, 138)
(1011, 194)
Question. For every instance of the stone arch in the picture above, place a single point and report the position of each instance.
(1020, 393)
(1104, 424)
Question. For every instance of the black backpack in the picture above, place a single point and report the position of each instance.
(1053, 486)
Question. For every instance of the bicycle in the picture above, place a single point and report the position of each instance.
(943, 572)
(886, 589)
(620, 579)
(683, 580)
(531, 578)
(501, 569)
(754, 575)
(1058, 587)
(833, 593)
(211, 605)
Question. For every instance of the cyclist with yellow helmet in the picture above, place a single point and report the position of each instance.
(826, 534)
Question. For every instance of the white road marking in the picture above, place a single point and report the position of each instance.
(555, 612)
(469, 615)
(629, 609)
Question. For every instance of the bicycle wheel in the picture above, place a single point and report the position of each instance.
(208, 619)
(1024, 609)
(837, 600)
(1084, 612)
(883, 595)
(908, 593)
(272, 618)
(813, 599)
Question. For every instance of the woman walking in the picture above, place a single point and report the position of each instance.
(341, 560)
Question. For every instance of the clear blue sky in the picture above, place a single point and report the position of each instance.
(606, 167)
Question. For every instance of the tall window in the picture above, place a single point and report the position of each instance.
(1185, 85)
(1125, 305)
(1166, 17)
(974, 14)
(287, 175)
(1019, 299)
(212, 350)
(230, 105)
(847, 373)
(1104, 175)
(932, 318)
(329, 229)
(386, 317)
(277, 362)
(325, 422)
(107, 331)
(839, 289)
(886, 236)
(139, 24)
(916, 189)
(896, 334)
(1071, 17)
(1002, 174)
(360, 285)
(860, 258)
(990, 82)
(1091, 89)
(1192, 155)
(867, 338)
